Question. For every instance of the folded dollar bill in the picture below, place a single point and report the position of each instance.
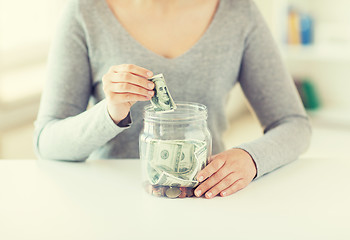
(162, 100)
(175, 162)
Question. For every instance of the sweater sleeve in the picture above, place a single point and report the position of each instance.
(274, 99)
(65, 129)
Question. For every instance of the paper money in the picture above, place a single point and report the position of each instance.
(162, 100)
(175, 157)
(175, 163)
(201, 156)
(170, 180)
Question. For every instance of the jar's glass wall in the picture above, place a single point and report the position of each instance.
(174, 147)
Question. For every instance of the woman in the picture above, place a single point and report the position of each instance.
(106, 50)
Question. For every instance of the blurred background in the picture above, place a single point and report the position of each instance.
(313, 36)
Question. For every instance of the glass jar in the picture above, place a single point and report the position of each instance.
(174, 147)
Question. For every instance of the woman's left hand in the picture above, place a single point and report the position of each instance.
(227, 173)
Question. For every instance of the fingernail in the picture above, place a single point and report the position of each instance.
(201, 178)
(150, 74)
(209, 194)
(150, 93)
(151, 85)
(223, 194)
(198, 193)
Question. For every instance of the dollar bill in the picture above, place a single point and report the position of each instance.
(165, 155)
(170, 180)
(162, 100)
(187, 163)
(175, 162)
(201, 156)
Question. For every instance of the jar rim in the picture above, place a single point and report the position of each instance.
(185, 111)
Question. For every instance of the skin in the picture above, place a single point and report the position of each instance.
(168, 28)
(158, 24)
(123, 86)
(227, 173)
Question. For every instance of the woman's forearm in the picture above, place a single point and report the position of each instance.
(75, 138)
(281, 144)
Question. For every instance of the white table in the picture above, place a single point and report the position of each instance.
(308, 199)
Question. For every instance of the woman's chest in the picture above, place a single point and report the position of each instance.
(166, 34)
(207, 71)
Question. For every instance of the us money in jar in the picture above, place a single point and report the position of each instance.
(175, 144)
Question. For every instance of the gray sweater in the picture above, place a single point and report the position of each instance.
(236, 48)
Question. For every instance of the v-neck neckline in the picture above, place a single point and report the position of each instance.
(204, 37)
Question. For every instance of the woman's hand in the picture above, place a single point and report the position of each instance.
(123, 86)
(227, 173)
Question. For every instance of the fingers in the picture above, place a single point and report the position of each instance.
(227, 173)
(222, 185)
(126, 97)
(209, 170)
(216, 178)
(214, 173)
(125, 77)
(235, 187)
(127, 83)
(227, 186)
(131, 68)
(130, 88)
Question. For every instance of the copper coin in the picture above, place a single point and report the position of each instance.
(183, 192)
(190, 192)
(158, 191)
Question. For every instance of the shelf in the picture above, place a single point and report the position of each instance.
(330, 29)
(317, 53)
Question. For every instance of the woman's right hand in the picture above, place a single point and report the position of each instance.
(123, 86)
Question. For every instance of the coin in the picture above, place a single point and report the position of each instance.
(158, 191)
(183, 192)
(173, 192)
(190, 192)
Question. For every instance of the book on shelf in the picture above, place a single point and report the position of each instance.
(300, 27)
